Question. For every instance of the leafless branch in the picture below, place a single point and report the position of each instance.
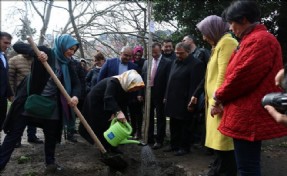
(37, 11)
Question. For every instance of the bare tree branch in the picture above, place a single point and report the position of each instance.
(75, 28)
(105, 44)
(45, 23)
(37, 11)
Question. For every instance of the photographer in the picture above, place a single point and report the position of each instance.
(278, 117)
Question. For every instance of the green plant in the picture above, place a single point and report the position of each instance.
(23, 159)
(31, 173)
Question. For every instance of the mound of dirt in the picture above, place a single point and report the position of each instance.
(83, 159)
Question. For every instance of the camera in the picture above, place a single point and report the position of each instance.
(277, 100)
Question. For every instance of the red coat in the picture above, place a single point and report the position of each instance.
(250, 75)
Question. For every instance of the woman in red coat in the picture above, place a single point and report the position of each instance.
(249, 76)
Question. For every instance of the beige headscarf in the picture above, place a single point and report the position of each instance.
(130, 79)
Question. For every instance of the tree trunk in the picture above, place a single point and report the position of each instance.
(45, 23)
(148, 89)
(75, 29)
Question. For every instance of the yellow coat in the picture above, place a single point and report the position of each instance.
(215, 73)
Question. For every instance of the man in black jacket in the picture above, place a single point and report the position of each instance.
(159, 76)
(185, 75)
(5, 89)
(167, 50)
(197, 100)
(201, 54)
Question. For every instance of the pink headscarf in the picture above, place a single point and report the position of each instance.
(137, 49)
(213, 27)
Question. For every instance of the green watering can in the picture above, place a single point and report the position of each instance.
(118, 133)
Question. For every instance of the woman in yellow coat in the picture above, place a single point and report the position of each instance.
(215, 32)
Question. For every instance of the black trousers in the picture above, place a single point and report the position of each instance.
(3, 110)
(51, 132)
(136, 117)
(180, 134)
(198, 128)
(224, 164)
(157, 107)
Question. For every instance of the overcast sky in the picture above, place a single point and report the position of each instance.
(11, 14)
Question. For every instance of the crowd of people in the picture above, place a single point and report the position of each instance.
(212, 98)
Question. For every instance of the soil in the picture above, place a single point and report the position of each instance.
(82, 159)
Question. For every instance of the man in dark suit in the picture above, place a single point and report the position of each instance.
(167, 50)
(197, 100)
(117, 66)
(158, 82)
(185, 75)
(5, 89)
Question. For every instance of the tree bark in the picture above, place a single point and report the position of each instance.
(46, 21)
(76, 29)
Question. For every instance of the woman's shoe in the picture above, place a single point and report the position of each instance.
(35, 140)
(17, 145)
(52, 168)
(72, 138)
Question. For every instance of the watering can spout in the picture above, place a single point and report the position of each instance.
(127, 141)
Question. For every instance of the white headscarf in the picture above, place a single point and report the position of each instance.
(130, 79)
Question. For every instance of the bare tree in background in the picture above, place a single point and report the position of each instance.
(72, 19)
(106, 27)
(45, 15)
(82, 16)
(26, 29)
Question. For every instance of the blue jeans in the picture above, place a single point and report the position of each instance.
(247, 156)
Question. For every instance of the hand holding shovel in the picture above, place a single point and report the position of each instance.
(114, 161)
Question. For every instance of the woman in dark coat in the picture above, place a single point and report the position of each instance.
(107, 100)
(42, 84)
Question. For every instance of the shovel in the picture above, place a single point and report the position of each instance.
(113, 160)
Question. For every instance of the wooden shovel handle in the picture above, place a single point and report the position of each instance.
(68, 98)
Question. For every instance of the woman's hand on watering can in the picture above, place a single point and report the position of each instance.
(74, 101)
(43, 57)
(121, 116)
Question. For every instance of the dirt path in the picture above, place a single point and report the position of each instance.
(82, 159)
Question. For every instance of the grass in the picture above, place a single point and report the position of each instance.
(9, 104)
(283, 144)
(31, 173)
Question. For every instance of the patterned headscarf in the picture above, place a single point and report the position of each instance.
(61, 44)
(213, 27)
(130, 79)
